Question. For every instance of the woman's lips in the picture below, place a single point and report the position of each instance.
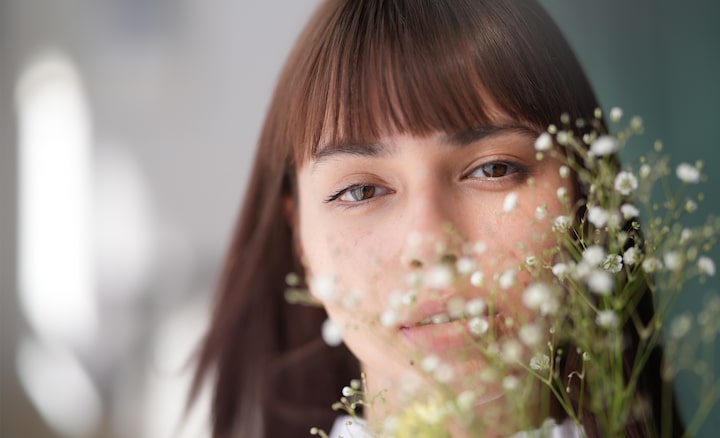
(440, 333)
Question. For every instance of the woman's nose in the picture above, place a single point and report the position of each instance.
(432, 236)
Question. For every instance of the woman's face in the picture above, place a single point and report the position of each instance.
(372, 214)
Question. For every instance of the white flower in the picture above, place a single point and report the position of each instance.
(510, 202)
(530, 335)
(535, 295)
(430, 363)
(456, 307)
(680, 326)
(594, 255)
(511, 351)
(510, 383)
(561, 193)
(645, 170)
(347, 391)
(540, 362)
(598, 216)
(612, 263)
(636, 123)
(465, 265)
(652, 264)
(507, 279)
(607, 319)
(439, 277)
(625, 182)
(630, 257)
(478, 326)
(562, 223)
(466, 400)
(543, 142)
(673, 260)
(479, 247)
(477, 279)
(629, 211)
(541, 212)
(616, 114)
(688, 173)
(444, 373)
(323, 286)
(475, 307)
(562, 137)
(601, 282)
(560, 270)
(389, 318)
(706, 265)
(604, 145)
(331, 333)
(564, 171)
(685, 235)
(531, 260)
(691, 206)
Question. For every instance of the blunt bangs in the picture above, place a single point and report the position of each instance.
(365, 69)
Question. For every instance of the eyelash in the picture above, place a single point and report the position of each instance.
(515, 170)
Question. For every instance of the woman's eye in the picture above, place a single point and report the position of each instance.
(357, 193)
(497, 169)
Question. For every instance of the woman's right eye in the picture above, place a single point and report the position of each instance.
(357, 193)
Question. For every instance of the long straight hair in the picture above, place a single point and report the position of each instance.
(362, 69)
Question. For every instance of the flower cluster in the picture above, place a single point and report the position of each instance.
(619, 261)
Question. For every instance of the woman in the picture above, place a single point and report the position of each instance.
(392, 119)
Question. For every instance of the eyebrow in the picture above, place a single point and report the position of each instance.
(457, 139)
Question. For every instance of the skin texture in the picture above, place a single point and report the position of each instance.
(370, 213)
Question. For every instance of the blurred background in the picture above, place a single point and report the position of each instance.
(127, 128)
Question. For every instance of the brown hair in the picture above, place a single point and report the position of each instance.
(361, 69)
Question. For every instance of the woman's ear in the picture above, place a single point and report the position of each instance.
(291, 215)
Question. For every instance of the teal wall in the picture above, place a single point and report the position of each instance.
(661, 60)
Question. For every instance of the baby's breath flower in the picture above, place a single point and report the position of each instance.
(598, 216)
(530, 335)
(685, 235)
(456, 307)
(511, 350)
(630, 257)
(616, 114)
(691, 206)
(706, 265)
(562, 138)
(535, 295)
(680, 326)
(439, 277)
(331, 333)
(466, 400)
(409, 298)
(389, 318)
(612, 263)
(673, 260)
(444, 373)
(510, 383)
(645, 171)
(629, 211)
(601, 282)
(604, 145)
(510, 202)
(507, 279)
(594, 255)
(560, 270)
(562, 193)
(475, 307)
(564, 171)
(625, 182)
(687, 173)
(636, 123)
(347, 391)
(479, 247)
(652, 264)
(541, 212)
(562, 223)
(607, 319)
(465, 265)
(430, 363)
(323, 286)
(531, 260)
(478, 326)
(543, 142)
(477, 279)
(540, 362)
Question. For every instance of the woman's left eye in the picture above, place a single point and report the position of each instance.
(495, 170)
